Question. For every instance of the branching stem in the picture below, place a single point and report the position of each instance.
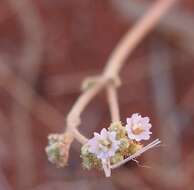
(108, 79)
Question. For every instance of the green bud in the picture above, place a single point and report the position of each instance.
(89, 82)
(118, 128)
(134, 147)
(84, 150)
(124, 144)
(90, 161)
(53, 153)
(116, 158)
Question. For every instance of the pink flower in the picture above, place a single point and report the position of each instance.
(103, 145)
(138, 128)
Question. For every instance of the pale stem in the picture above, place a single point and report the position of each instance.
(73, 118)
(113, 102)
(134, 36)
(79, 137)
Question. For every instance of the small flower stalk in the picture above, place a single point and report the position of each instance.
(118, 144)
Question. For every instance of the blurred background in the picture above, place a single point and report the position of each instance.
(48, 47)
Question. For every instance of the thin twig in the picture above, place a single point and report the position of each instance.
(45, 112)
(178, 22)
(73, 118)
(113, 102)
(28, 68)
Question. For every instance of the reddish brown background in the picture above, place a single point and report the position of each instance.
(48, 47)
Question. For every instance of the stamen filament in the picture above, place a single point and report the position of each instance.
(138, 153)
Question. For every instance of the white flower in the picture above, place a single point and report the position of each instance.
(103, 145)
(138, 128)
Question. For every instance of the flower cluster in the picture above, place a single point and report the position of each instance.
(58, 148)
(116, 143)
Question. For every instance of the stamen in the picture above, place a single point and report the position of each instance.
(137, 130)
(138, 153)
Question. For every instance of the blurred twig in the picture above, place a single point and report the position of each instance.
(4, 184)
(130, 41)
(4, 122)
(164, 99)
(177, 22)
(45, 112)
(163, 92)
(29, 69)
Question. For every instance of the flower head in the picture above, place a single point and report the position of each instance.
(58, 147)
(104, 145)
(138, 127)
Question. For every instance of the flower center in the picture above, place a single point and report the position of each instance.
(105, 144)
(136, 129)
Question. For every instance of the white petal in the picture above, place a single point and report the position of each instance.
(128, 127)
(112, 136)
(103, 133)
(145, 119)
(102, 155)
(129, 121)
(131, 136)
(111, 153)
(96, 134)
(137, 138)
(143, 136)
(149, 126)
(135, 118)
